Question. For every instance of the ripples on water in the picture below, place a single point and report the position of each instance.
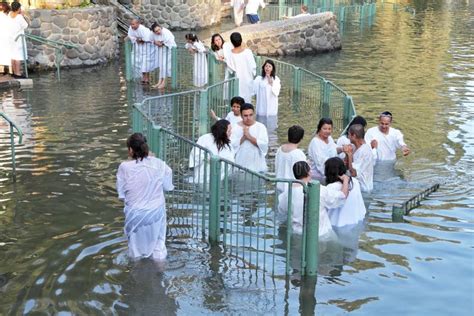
(61, 241)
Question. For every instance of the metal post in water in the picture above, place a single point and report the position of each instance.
(128, 60)
(214, 196)
(347, 116)
(12, 144)
(203, 113)
(296, 88)
(397, 213)
(312, 229)
(325, 98)
(174, 67)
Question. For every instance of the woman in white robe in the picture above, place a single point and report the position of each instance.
(163, 39)
(17, 25)
(5, 36)
(140, 183)
(222, 51)
(321, 148)
(242, 62)
(218, 143)
(200, 70)
(341, 197)
(238, 10)
(143, 51)
(267, 88)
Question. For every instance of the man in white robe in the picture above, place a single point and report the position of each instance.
(250, 140)
(385, 140)
(238, 8)
(143, 52)
(242, 62)
(361, 162)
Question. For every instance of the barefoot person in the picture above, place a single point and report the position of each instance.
(143, 51)
(140, 184)
(164, 40)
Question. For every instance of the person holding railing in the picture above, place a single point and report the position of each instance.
(218, 143)
(164, 40)
(140, 184)
(242, 62)
(200, 70)
(250, 140)
(267, 88)
(343, 141)
(360, 161)
(5, 58)
(17, 25)
(143, 54)
(222, 51)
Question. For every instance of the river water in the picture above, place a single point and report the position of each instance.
(62, 248)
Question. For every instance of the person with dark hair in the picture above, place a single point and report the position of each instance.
(302, 171)
(222, 52)
(360, 161)
(143, 51)
(140, 184)
(251, 10)
(218, 143)
(385, 140)
(288, 154)
(321, 148)
(233, 116)
(242, 62)
(341, 197)
(267, 88)
(343, 140)
(17, 27)
(163, 39)
(197, 48)
(5, 38)
(250, 140)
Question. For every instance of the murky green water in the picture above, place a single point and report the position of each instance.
(61, 244)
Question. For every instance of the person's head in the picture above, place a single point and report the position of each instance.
(236, 39)
(295, 134)
(304, 9)
(221, 130)
(247, 112)
(356, 132)
(324, 129)
(357, 120)
(134, 23)
(4, 7)
(236, 103)
(268, 68)
(191, 37)
(333, 168)
(385, 120)
(301, 170)
(16, 6)
(216, 42)
(137, 146)
(156, 28)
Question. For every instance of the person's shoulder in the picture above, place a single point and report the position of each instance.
(260, 125)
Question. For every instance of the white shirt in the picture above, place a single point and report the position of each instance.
(232, 118)
(252, 6)
(387, 143)
(247, 154)
(318, 153)
(284, 162)
(363, 163)
(267, 95)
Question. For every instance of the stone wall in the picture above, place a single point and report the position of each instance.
(92, 29)
(315, 33)
(182, 14)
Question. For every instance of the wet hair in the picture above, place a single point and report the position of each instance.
(5, 7)
(301, 170)
(268, 61)
(214, 46)
(137, 142)
(154, 25)
(191, 37)
(246, 106)
(357, 130)
(219, 131)
(15, 6)
(295, 134)
(386, 114)
(323, 121)
(236, 39)
(333, 168)
(238, 100)
(357, 120)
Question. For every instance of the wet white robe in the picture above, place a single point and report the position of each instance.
(17, 25)
(363, 163)
(284, 162)
(318, 153)
(200, 70)
(163, 53)
(143, 54)
(267, 95)
(387, 143)
(141, 184)
(247, 154)
(244, 66)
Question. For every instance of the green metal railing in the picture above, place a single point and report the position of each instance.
(12, 128)
(399, 210)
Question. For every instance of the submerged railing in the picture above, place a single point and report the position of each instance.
(399, 210)
(12, 128)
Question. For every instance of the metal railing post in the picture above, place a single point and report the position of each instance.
(214, 196)
(12, 144)
(312, 229)
(296, 88)
(203, 112)
(128, 60)
(347, 115)
(174, 67)
(326, 97)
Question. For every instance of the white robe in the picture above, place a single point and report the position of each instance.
(232, 118)
(244, 66)
(284, 162)
(297, 205)
(5, 40)
(387, 143)
(198, 162)
(267, 96)
(141, 184)
(363, 163)
(318, 153)
(341, 141)
(247, 154)
(18, 25)
(163, 53)
(238, 8)
(343, 211)
(143, 54)
(252, 6)
(200, 63)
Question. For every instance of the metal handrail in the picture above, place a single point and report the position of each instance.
(12, 139)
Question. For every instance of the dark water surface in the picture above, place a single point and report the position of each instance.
(62, 248)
